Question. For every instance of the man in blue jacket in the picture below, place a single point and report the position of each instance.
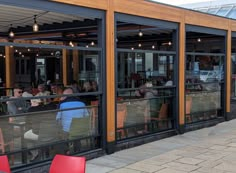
(76, 110)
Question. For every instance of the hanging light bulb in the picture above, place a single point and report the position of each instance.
(199, 40)
(11, 33)
(92, 43)
(140, 33)
(153, 46)
(35, 25)
(71, 44)
(139, 45)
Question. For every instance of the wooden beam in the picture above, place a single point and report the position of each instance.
(65, 66)
(10, 67)
(75, 65)
(110, 74)
(98, 4)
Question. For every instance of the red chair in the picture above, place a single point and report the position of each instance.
(71, 164)
(4, 164)
(3, 144)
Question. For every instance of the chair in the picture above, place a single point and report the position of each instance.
(136, 117)
(48, 133)
(4, 164)
(120, 118)
(162, 115)
(80, 128)
(3, 144)
(188, 109)
(71, 164)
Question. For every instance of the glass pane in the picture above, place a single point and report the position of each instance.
(135, 69)
(223, 11)
(232, 13)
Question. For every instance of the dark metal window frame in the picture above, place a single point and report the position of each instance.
(80, 11)
(213, 31)
(151, 22)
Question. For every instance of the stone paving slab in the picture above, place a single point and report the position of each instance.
(190, 161)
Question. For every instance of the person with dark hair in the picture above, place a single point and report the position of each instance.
(17, 106)
(74, 85)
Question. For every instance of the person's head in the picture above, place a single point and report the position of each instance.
(35, 102)
(67, 91)
(74, 83)
(18, 92)
(54, 88)
(94, 85)
(41, 87)
(28, 89)
(87, 86)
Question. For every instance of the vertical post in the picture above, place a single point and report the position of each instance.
(110, 77)
(75, 65)
(65, 66)
(10, 68)
(181, 83)
(228, 71)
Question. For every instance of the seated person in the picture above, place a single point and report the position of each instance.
(65, 117)
(43, 92)
(32, 125)
(17, 106)
(146, 91)
(56, 90)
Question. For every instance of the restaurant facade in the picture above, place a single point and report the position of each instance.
(158, 71)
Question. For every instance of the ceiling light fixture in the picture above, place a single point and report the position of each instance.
(140, 32)
(35, 25)
(199, 40)
(71, 44)
(11, 33)
(92, 43)
(139, 45)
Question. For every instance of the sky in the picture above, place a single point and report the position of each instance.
(178, 2)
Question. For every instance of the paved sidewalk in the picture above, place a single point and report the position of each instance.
(209, 150)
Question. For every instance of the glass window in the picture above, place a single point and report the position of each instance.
(145, 73)
(204, 77)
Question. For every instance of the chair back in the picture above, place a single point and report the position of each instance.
(4, 164)
(136, 112)
(1, 138)
(163, 111)
(121, 115)
(48, 132)
(71, 164)
(188, 106)
(80, 127)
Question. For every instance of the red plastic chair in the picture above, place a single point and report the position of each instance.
(4, 164)
(71, 164)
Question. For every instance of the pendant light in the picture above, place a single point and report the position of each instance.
(140, 32)
(11, 33)
(35, 25)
